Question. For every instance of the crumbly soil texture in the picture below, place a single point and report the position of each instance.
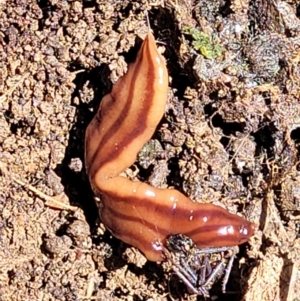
(230, 136)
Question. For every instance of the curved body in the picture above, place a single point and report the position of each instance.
(135, 212)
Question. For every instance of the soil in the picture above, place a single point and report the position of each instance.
(230, 135)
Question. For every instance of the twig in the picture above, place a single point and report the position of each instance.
(49, 201)
(52, 202)
(7, 93)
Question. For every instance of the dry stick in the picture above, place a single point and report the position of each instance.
(294, 217)
(49, 201)
(3, 97)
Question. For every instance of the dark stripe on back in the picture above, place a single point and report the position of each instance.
(140, 121)
(166, 210)
(127, 218)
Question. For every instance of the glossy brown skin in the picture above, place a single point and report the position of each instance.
(135, 212)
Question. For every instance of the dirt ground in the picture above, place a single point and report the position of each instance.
(230, 135)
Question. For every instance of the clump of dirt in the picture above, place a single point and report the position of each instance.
(230, 136)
